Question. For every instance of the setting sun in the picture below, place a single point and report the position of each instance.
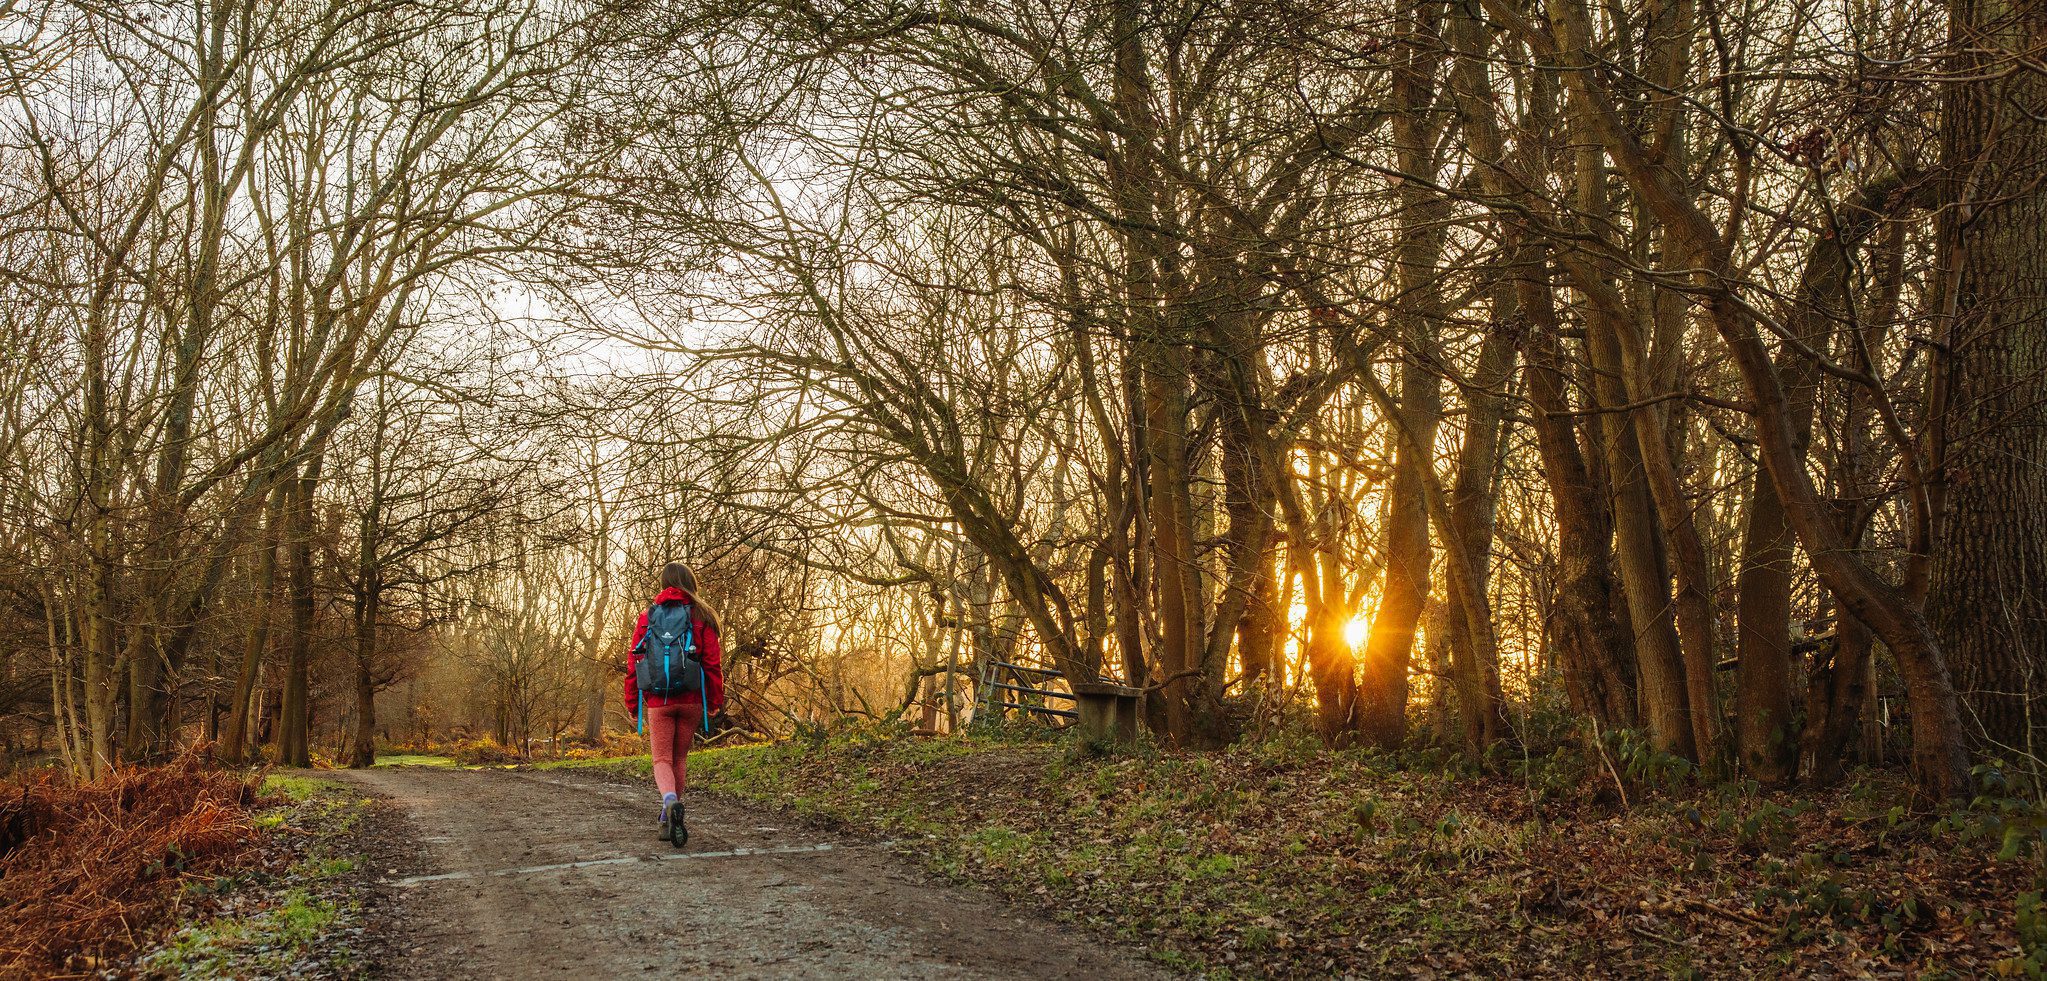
(1355, 632)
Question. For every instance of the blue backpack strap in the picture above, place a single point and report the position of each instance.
(648, 619)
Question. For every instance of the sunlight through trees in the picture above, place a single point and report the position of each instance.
(1480, 374)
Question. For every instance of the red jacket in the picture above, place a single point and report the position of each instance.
(707, 645)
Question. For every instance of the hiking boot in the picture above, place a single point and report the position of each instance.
(678, 832)
(666, 801)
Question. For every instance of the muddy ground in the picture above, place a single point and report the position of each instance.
(511, 874)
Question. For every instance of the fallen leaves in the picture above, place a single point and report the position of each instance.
(1342, 864)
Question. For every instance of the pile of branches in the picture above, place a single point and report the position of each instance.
(87, 869)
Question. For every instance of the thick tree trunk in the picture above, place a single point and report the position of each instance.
(102, 670)
(1762, 684)
(1640, 560)
(1939, 763)
(1597, 664)
(1249, 460)
(1418, 248)
(1763, 681)
(1698, 649)
(1258, 631)
(1838, 691)
(1644, 572)
(145, 700)
(596, 690)
(1176, 577)
(154, 655)
(1989, 590)
(1652, 360)
(1841, 681)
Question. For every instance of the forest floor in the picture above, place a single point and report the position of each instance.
(301, 908)
(535, 874)
(181, 870)
(1284, 860)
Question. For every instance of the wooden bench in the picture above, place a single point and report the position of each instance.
(1108, 713)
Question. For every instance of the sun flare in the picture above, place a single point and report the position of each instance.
(1355, 632)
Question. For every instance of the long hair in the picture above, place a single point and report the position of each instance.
(675, 575)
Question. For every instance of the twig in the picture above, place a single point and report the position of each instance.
(1610, 768)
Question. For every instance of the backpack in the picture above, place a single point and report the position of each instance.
(669, 662)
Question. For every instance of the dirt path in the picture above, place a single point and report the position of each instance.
(500, 874)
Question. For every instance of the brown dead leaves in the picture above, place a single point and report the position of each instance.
(86, 869)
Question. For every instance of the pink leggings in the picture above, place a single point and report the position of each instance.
(669, 730)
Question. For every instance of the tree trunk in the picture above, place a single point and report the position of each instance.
(102, 670)
(1472, 506)
(1762, 685)
(1644, 573)
(364, 752)
(1331, 663)
(1838, 691)
(1841, 682)
(1250, 461)
(1175, 572)
(1597, 666)
(1598, 663)
(1383, 674)
(234, 745)
(295, 738)
(1258, 633)
(1417, 252)
(1989, 590)
(1939, 762)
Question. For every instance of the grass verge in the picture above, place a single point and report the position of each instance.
(415, 759)
(298, 913)
(1285, 860)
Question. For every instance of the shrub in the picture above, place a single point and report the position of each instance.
(483, 752)
(83, 867)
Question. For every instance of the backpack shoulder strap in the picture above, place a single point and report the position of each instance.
(646, 626)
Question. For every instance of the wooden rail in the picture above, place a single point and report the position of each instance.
(989, 703)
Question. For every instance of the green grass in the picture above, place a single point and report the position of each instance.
(415, 759)
(300, 789)
(268, 943)
(300, 913)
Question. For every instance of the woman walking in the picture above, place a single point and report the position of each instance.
(674, 683)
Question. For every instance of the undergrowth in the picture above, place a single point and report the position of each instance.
(295, 915)
(87, 870)
(1281, 859)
